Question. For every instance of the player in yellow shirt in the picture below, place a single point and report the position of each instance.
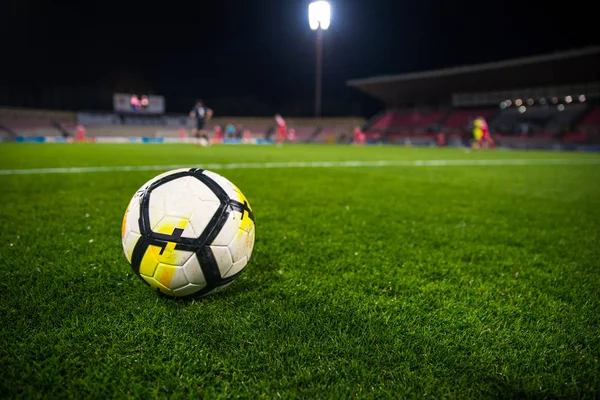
(477, 134)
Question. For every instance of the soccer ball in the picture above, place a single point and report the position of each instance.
(188, 232)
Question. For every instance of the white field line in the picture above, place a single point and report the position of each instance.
(306, 164)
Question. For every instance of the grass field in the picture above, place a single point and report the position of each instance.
(406, 281)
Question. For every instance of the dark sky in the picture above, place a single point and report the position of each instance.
(264, 48)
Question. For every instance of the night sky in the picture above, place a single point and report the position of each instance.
(264, 49)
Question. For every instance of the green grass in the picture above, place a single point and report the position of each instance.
(395, 282)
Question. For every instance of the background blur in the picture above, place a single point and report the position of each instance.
(255, 59)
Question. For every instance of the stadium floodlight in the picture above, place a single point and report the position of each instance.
(319, 19)
(319, 15)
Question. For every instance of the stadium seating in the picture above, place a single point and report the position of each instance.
(304, 134)
(507, 121)
(566, 118)
(398, 126)
(23, 122)
(331, 131)
(391, 121)
(402, 121)
(29, 127)
(395, 122)
(540, 126)
(537, 119)
(576, 137)
(429, 120)
(461, 119)
(591, 119)
(26, 122)
(33, 114)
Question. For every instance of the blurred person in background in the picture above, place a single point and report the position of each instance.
(218, 134)
(281, 129)
(239, 131)
(441, 139)
(488, 141)
(247, 136)
(201, 114)
(230, 131)
(481, 134)
(477, 134)
(359, 136)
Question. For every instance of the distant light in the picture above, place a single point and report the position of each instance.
(503, 105)
(522, 109)
(555, 99)
(568, 99)
(543, 101)
(319, 15)
(508, 103)
(145, 101)
(518, 102)
(134, 100)
(530, 102)
(561, 107)
(582, 98)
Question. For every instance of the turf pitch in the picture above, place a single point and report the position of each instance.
(371, 282)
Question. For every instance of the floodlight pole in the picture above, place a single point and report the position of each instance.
(319, 74)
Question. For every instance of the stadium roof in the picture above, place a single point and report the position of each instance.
(569, 67)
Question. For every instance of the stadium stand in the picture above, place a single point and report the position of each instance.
(567, 118)
(322, 135)
(460, 120)
(555, 90)
(24, 127)
(33, 123)
(576, 137)
(304, 134)
(398, 123)
(430, 120)
(26, 122)
(540, 119)
(6, 134)
(591, 120)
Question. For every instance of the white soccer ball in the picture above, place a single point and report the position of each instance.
(203, 142)
(188, 232)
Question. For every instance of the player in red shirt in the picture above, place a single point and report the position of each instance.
(359, 136)
(488, 141)
(80, 133)
(218, 134)
(441, 139)
(482, 133)
(281, 129)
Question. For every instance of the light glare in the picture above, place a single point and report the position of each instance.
(319, 15)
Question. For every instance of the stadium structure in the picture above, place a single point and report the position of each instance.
(543, 101)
